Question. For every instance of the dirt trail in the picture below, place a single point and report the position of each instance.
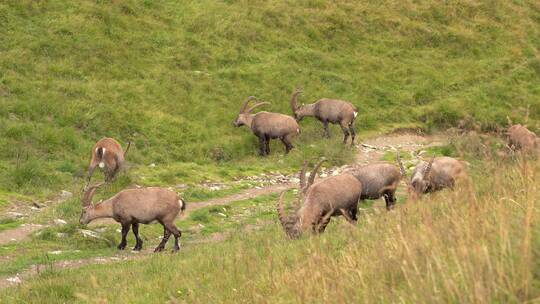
(368, 151)
(373, 149)
(248, 194)
(19, 233)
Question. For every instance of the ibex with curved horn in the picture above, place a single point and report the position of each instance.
(132, 207)
(327, 111)
(438, 173)
(109, 156)
(267, 125)
(317, 202)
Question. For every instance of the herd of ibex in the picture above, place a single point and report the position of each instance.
(318, 200)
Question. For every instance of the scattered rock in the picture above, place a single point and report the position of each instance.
(152, 165)
(60, 222)
(61, 235)
(56, 252)
(64, 195)
(89, 233)
(15, 279)
(14, 214)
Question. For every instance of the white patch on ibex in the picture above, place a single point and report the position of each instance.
(181, 203)
(355, 113)
(297, 130)
(102, 164)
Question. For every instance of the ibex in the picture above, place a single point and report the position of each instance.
(439, 173)
(109, 156)
(332, 196)
(266, 126)
(328, 111)
(137, 206)
(520, 138)
(378, 180)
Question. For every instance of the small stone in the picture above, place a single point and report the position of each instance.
(14, 280)
(56, 252)
(89, 233)
(152, 165)
(65, 194)
(60, 222)
(15, 214)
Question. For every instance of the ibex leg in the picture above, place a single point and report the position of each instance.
(287, 142)
(125, 230)
(326, 131)
(353, 133)
(345, 129)
(166, 235)
(139, 242)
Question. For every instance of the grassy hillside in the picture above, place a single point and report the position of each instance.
(171, 75)
(478, 244)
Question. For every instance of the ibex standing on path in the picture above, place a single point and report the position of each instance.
(266, 126)
(137, 206)
(109, 156)
(328, 111)
(332, 196)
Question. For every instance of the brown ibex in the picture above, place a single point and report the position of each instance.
(378, 180)
(520, 138)
(328, 111)
(332, 196)
(267, 125)
(109, 156)
(132, 207)
(439, 173)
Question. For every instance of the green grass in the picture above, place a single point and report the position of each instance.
(9, 223)
(198, 226)
(170, 76)
(476, 244)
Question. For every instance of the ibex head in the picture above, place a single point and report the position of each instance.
(293, 223)
(420, 181)
(87, 205)
(297, 110)
(244, 116)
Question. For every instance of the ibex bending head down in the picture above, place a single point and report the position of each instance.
(437, 174)
(266, 126)
(132, 207)
(522, 139)
(326, 110)
(317, 202)
(108, 155)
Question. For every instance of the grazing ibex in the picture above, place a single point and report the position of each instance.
(137, 206)
(266, 126)
(332, 196)
(109, 156)
(378, 180)
(439, 173)
(328, 111)
(520, 138)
